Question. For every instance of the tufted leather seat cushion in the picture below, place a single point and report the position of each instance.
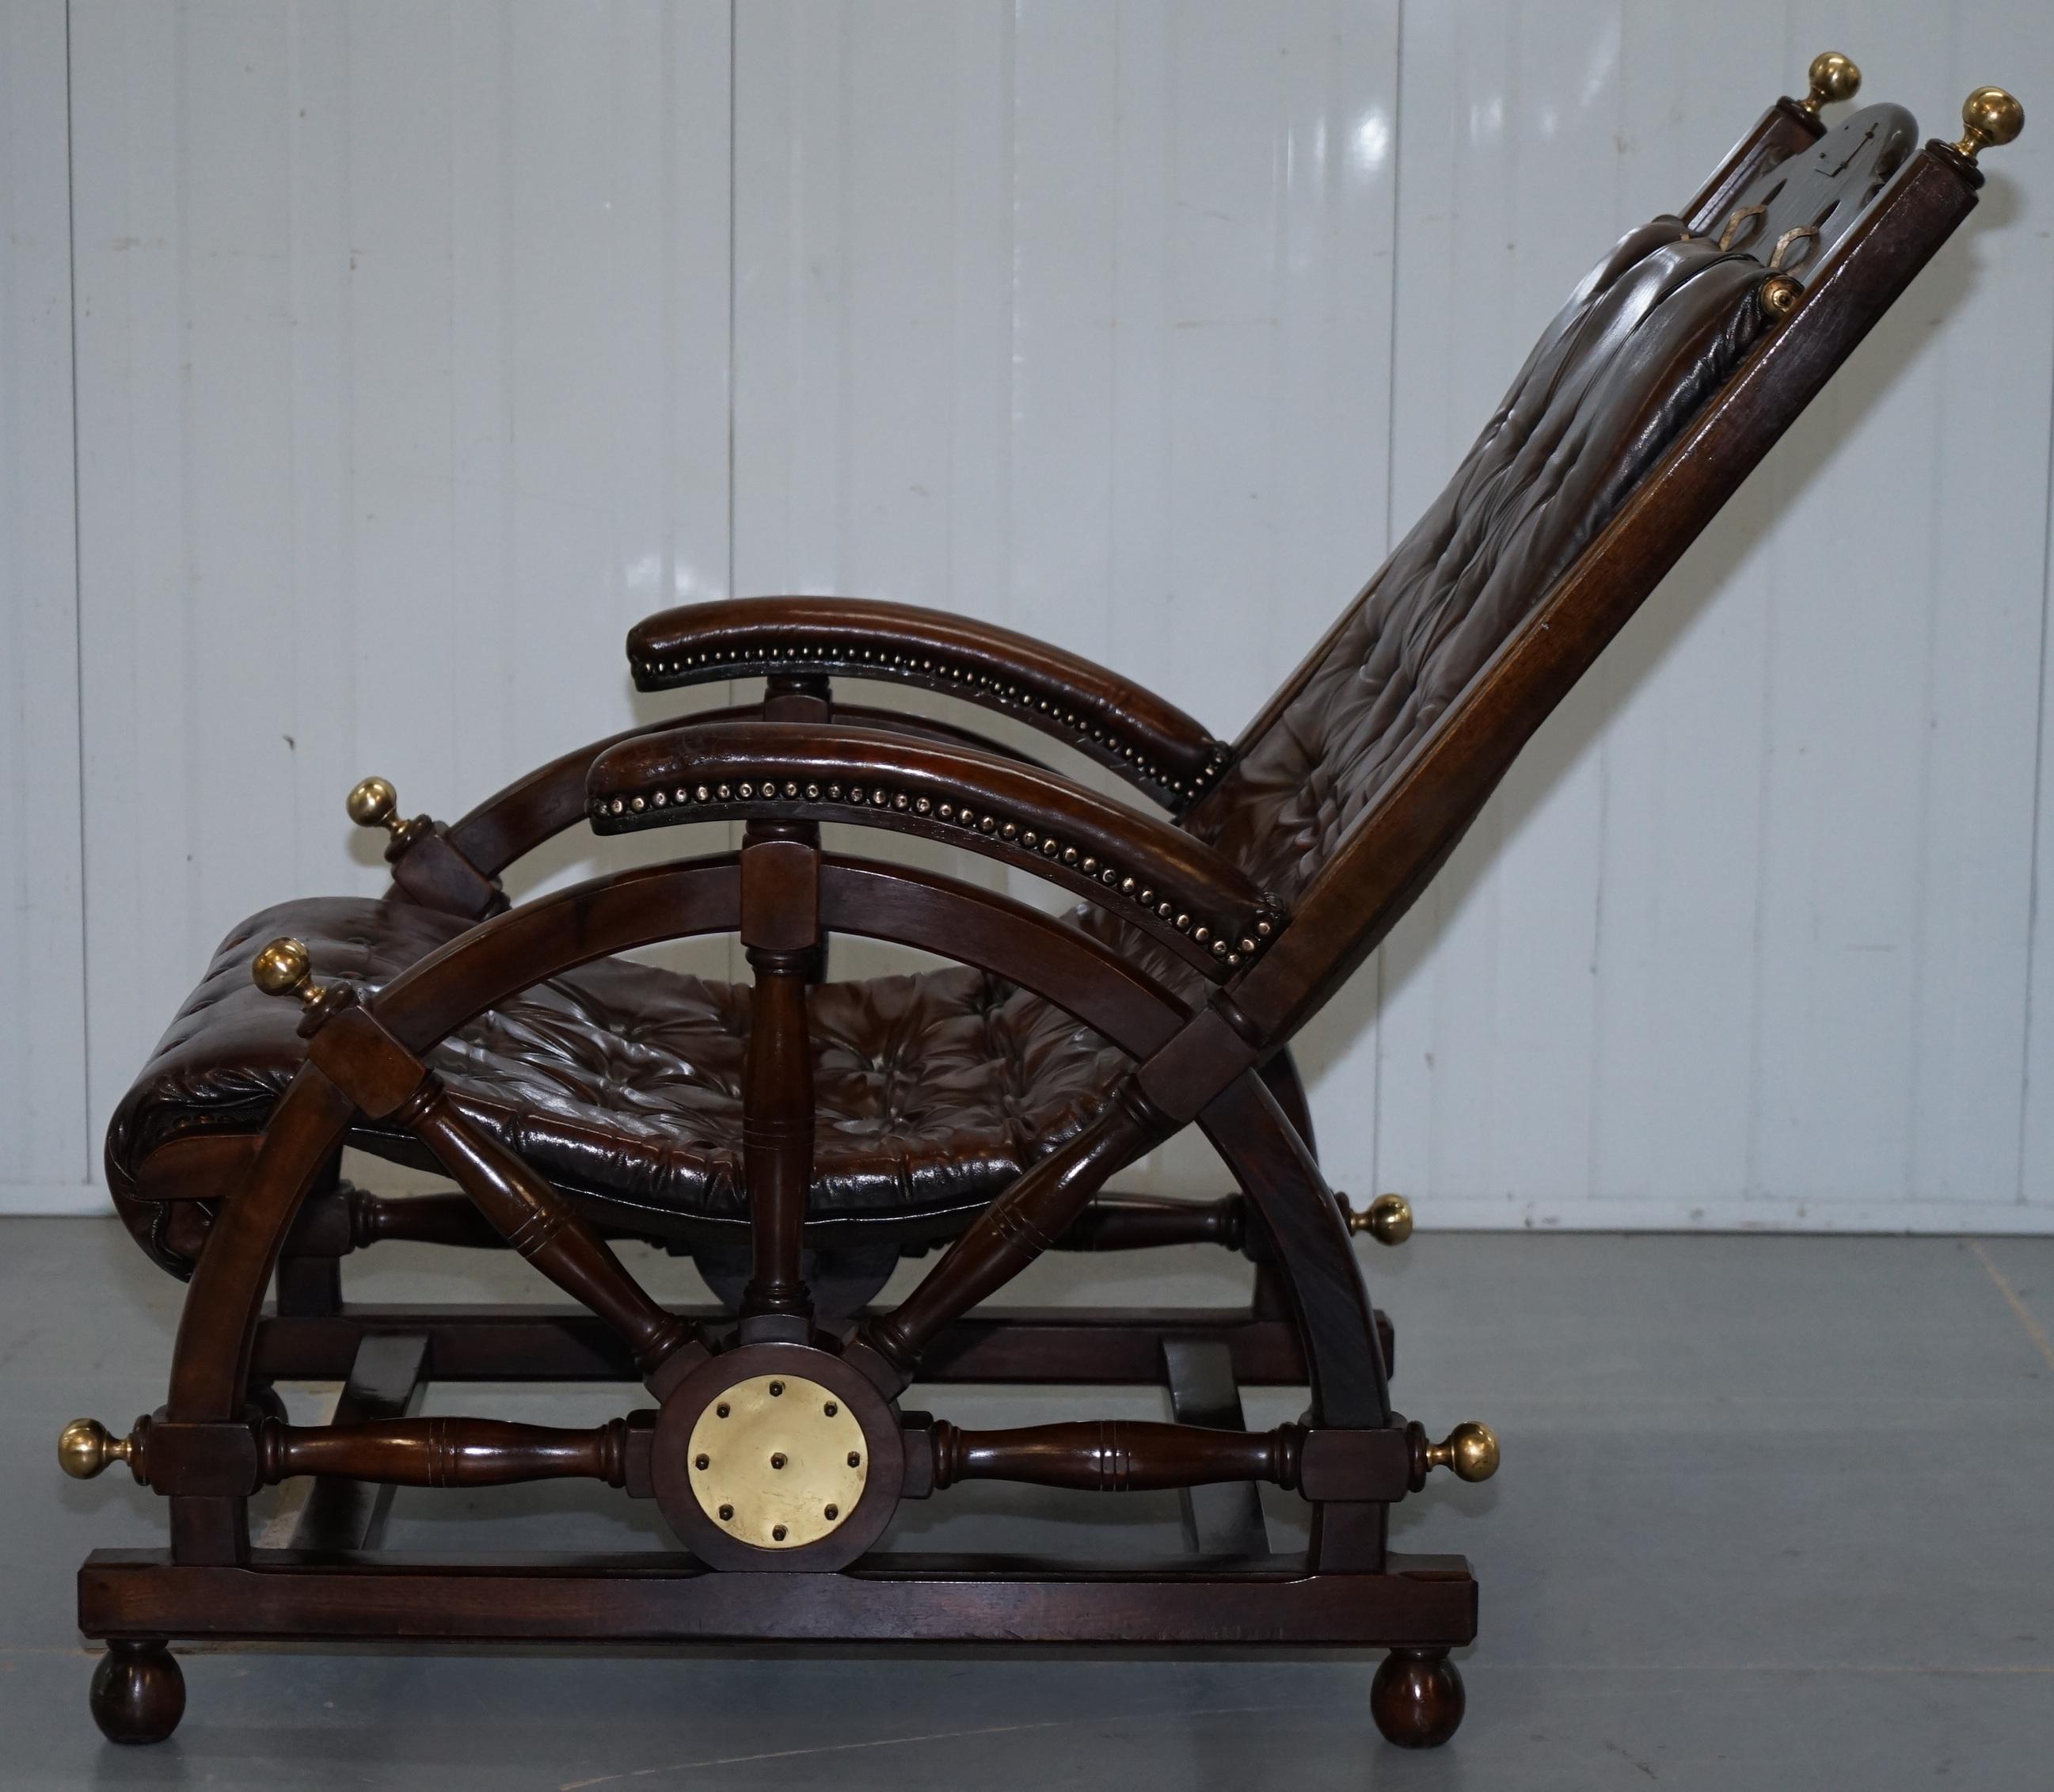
(621, 1082)
(1654, 330)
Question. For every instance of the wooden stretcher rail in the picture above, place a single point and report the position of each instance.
(1089, 1346)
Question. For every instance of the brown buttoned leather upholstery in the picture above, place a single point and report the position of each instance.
(622, 1081)
(1652, 331)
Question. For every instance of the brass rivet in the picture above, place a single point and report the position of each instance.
(702, 1461)
(856, 1459)
(778, 1459)
(1779, 296)
(720, 1412)
(776, 1387)
(726, 1512)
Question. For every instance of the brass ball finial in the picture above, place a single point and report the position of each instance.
(373, 803)
(1990, 119)
(1388, 1219)
(85, 1447)
(1833, 77)
(281, 967)
(1470, 1450)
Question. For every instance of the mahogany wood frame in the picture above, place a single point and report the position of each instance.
(1222, 1063)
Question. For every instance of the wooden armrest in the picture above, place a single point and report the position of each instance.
(1147, 871)
(539, 805)
(1151, 743)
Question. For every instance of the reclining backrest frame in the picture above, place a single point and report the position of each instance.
(1392, 849)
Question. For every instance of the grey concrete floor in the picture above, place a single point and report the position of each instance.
(1773, 1513)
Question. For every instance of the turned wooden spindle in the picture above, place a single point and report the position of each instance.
(1024, 1222)
(1147, 1221)
(1116, 1455)
(781, 931)
(444, 1219)
(535, 1220)
(444, 1452)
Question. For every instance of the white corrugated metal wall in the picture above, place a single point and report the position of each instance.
(368, 369)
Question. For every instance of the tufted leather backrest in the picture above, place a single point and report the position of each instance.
(1656, 329)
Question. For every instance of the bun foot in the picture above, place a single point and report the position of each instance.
(1417, 1698)
(138, 1693)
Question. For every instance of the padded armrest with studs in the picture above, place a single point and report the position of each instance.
(1151, 743)
(1157, 877)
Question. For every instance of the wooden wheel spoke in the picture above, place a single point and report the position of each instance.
(525, 1211)
(1026, 1220)
(1116, 1455)
(449, 1452)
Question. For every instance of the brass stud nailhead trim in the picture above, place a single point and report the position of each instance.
(1222, 943)
(828, 656)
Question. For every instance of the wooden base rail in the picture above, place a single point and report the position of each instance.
(650, 1597)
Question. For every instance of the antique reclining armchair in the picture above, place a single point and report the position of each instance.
(798, 1136)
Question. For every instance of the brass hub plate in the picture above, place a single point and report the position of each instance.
(778, 1461)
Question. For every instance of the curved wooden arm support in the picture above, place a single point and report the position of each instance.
(536, 807)
(1160, 878)
(1151, 742)
(449, 1452)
